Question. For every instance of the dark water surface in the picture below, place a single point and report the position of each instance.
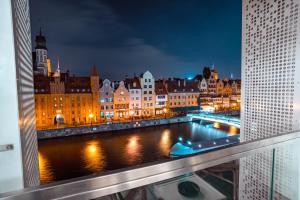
(64, 158)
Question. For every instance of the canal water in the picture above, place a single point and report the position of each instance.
(70, 157)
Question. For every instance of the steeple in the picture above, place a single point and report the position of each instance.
(57, 71)
(40, 41)
(58, 64)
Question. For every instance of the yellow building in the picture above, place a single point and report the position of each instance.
(183, 95)
(64, 100)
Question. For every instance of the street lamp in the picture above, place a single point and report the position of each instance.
(131, 114)
(165, 111)
(91, 116)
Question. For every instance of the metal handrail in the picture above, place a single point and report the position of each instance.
(103, 184)
(6, 147)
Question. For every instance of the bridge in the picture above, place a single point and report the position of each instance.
(223, 119)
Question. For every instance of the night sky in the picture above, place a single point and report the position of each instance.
(170, 38)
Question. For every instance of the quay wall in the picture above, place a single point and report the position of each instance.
(83, 130)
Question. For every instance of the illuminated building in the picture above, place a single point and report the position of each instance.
(212, 81)
(135, 93)
(121, 102)
(183, 95)
(203, 86)
(41, 62)
(220, 87)
(106, 100)
(65, 99)
(148, 94)
(161, 98)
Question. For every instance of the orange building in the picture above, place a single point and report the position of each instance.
(62, 99)
(121, 102)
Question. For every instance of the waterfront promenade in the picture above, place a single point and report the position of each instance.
(116, 126)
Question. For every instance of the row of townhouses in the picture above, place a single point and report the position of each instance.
(61, 97)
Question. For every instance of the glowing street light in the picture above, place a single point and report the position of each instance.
(180, 139)
(131, 113)
(165, 111)
(91, 116)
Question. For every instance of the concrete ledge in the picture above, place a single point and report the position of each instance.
(64, 132)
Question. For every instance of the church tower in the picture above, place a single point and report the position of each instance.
(95, 90)
(41, 55)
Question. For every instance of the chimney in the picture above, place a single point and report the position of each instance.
(166, 85)
(184, 83)
(179, 83)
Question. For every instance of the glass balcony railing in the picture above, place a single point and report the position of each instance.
(266, 168)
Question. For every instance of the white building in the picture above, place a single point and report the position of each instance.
(270, 96)
(148, 94)
(161, 99)
(203, 87)
(135, 93)
(106, 101)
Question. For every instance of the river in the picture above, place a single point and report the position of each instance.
(70, 157)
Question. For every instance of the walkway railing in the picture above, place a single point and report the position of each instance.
(90, 187)
(229, 120)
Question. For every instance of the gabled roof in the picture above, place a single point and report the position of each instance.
(160, 88)
(133, 83)
(181, 85)
(73, 84)
(198, 77)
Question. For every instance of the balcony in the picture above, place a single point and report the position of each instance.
(212, 175)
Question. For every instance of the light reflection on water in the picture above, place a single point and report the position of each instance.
(93, 157)
(70, 157)
(233, 130)
(165, 142)
(217, 125)
(46, 174)
(133, 149)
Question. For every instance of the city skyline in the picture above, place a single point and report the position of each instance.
(107, 35)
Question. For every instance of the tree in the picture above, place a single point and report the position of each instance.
(206, 72)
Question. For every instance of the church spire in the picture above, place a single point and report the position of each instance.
(57, 72)
(58, 64)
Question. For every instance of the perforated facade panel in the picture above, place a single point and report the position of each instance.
(24, 74)
(270, 94)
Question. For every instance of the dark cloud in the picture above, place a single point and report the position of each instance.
(126, 38)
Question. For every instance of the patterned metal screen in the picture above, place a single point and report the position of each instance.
(24, 77)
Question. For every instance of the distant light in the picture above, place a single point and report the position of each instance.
(180, 139)
(215, 143)
(227, 140)
(189, 142)
(199, 145)
(190, 78)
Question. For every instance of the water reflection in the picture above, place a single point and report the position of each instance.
(165, 142)
(217, 125)
(46, 174)
(70, 157)
(93, 156)
(133, 149)
(233, 130)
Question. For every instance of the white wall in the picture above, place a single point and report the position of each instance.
(11, 169)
